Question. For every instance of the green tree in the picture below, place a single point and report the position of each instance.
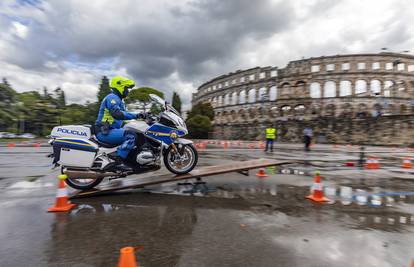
(199, 126)
(8, 97)
(204, 109)
(176, 102)
(140, 96)
(60, 97)
(104, 89)
(7, 93)
(155, 109)
(39, 114)
(199, 120)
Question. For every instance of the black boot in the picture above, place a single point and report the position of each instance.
(119, 164)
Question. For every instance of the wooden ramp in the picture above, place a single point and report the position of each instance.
(239, 166)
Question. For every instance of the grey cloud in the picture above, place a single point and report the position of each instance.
(209, 30)
(153, 40)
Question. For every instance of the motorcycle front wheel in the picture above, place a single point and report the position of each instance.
(182, 163)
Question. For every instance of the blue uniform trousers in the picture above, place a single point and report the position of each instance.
(125, 139)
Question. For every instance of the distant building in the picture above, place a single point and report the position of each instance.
(328, 93)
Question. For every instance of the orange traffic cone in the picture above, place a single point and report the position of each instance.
(407, 163)
(36, 145)
(225, 145)
(250, 146)
(62, 200)
(127, 258)
(261, 173)
(261, 145)
(11, 145)
(372, 164)
(317, 194)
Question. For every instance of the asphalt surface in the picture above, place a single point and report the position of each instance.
(234, 220)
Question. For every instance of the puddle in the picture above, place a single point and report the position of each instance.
(30, 185)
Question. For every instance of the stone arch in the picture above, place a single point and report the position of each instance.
(252, 95)
(226, 100)
(388, 86)
(329, 89)
(252, 113)
(390, 109)
(214, 101)
(242, 97)
(234, 98)
(220, 100)
(300, 88)
(262, 94)
(285, 110)
(345, 88)
(242, 115)
(224, 117)
(273, 112)
(299, 110)
(285, 87)
(347, 110)
(273, 93)
(375, 87)
(316, 110)
(330, 110)
(362, 110)
(260, 112)
(377, 110)
(360, 87)
(233, 115)
(315, 90)
(217, 118)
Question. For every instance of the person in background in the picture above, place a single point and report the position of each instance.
(307, 137)
(270, 137)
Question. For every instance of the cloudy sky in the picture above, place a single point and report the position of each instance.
(177, 45)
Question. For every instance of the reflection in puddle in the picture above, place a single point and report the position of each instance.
(330, 193)
(361, 197)
(346, 195)
(376, 200)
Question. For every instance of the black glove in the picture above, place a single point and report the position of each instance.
(141, 115)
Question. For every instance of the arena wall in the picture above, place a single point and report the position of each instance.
(326, 93)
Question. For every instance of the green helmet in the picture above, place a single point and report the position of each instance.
(122, 85)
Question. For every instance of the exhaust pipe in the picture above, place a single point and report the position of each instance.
(89, 174)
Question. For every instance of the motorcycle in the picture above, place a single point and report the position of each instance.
(86, 161)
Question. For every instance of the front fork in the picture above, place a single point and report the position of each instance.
(177, 154)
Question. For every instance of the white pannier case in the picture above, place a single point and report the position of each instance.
(72, 147)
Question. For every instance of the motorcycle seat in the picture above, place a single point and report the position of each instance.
(102, 144)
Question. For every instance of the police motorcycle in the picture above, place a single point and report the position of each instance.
(84, 159)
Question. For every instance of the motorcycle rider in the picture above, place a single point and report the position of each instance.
(108, 125)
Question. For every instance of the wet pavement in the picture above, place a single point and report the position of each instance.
(232, 220)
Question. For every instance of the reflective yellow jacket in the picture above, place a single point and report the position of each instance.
(270, 133)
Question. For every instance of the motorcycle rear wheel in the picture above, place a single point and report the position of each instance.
(83, 184)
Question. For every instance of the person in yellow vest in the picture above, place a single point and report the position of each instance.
(270, 137)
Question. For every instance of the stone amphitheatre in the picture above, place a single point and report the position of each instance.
(346, 99)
